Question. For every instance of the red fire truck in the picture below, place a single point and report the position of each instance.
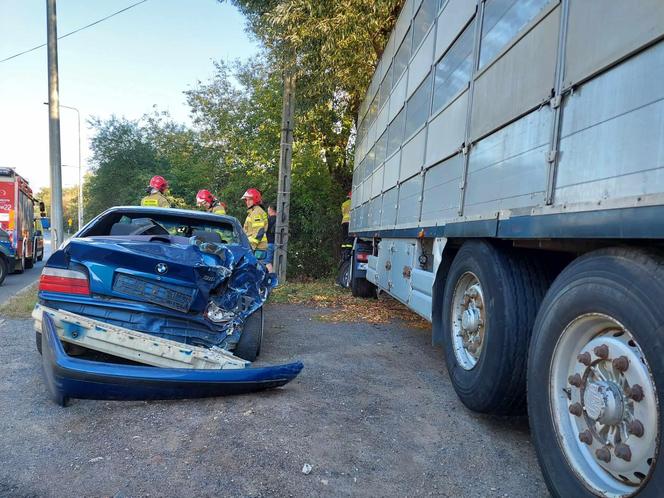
(26, 243)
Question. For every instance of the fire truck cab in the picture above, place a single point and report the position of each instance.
(24, 245)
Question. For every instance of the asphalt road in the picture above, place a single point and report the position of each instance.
(373, 413)
(15, 282)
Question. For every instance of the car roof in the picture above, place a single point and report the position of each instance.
(189, 213)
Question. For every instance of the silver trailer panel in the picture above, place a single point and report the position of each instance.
(598, 36)
(441, 191)
(518, 80)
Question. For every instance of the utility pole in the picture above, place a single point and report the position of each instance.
(283, 194)
(57, 224)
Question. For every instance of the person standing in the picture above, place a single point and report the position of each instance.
(255, 225)
(156, 190)
(345, 216)
(271, 230)
(205, 199)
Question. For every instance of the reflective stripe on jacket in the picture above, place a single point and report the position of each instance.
(345, 211)
(255, 226)
(155, 200)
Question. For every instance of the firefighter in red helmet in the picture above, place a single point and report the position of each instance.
(255, 225)
(204, 198)
(156, 190)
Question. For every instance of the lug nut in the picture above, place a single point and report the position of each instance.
(585, 358)
(602, 351)
(586, 437)
(622, 451)
(635, 427)
(575, 380)
(621, 363)
(635, 392)
(603, 454)
(576, 409)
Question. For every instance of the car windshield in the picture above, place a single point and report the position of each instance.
(132, 224)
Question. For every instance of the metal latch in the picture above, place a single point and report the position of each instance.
(551, 156)
(556, 101)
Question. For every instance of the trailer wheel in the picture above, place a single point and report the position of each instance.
(4, 268)
(596, 376)
(490, 301)
(249, 346)
(361, 287)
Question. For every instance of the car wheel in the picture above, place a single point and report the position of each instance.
(490, 300)
(4, 268)
(360, 286)
(343, 277)
(596, 376)
(249, 345)
(29, 262)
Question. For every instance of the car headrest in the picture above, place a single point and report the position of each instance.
(207, 236)
(123, 229)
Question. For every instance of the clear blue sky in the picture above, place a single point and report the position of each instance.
(143, 57)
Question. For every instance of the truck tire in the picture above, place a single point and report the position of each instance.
(490, 300)
(361, 287)
(249, 346)
(29, 262)
(598, 335)
(4, 268)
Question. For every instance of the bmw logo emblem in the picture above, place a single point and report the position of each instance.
(162, 268)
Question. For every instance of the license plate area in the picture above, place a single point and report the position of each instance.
(170, 296)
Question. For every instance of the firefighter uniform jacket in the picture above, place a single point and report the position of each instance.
(218, 209)
(345, 211)
(255, 226)
(156, 199)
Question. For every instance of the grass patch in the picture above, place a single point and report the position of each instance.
(343, 306)
(20, 305)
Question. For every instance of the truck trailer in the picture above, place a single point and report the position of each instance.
(25, 243)
(509, 187)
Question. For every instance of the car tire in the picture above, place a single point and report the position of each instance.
(613, 298)
(38, 341)
(343, 277)
(4, 268)
(490, 300)
(249, 346)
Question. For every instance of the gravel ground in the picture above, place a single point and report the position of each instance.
(373, 413)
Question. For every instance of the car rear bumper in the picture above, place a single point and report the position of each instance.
(67, 377)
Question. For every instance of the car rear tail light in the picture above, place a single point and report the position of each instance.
(362, 257)
(64, 281)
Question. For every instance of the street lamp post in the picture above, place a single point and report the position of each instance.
(80, 174)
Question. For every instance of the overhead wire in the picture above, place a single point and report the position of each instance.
(75, 31)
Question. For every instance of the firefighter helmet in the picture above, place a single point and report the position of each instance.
(204, 196)
(253, 194)
(159, 183)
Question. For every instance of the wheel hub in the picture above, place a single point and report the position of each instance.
(606, 398)
(603, 402)
(468, 318)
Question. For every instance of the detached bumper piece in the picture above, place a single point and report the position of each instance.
(68, 377)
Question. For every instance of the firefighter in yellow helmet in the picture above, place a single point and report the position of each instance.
(204, 198)
(156, 198)
(255, 225)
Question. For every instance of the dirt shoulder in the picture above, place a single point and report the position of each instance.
(373, 413)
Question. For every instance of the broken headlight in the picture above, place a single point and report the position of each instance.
(218, 315)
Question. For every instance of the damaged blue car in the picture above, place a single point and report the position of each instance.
(153, 303)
